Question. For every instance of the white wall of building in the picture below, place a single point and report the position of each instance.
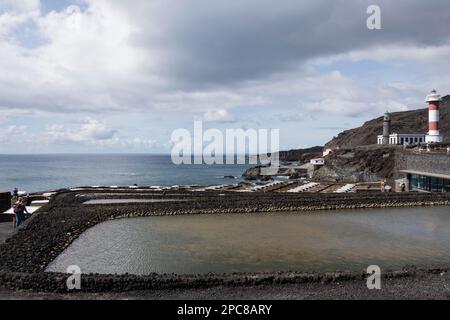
(402, 139)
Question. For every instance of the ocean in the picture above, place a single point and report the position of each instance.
(35, 173)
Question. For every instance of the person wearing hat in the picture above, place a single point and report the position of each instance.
(19, 212)
(14, 196)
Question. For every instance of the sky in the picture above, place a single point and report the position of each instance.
(114, 76)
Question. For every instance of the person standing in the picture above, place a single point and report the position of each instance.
(14, 196)
(14, 199)
(19, 213)
(383, 185)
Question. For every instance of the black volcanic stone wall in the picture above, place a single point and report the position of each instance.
(432, 163)
(5, 201)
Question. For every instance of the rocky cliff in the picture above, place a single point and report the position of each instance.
(301, 155)
(362, 164)
(415, 121)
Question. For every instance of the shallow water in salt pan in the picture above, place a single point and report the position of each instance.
(317, 241)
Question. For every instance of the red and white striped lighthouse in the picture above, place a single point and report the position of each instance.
(434, 100)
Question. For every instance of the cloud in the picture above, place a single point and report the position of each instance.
(12, 133)
(108, 56)
(354, 108)
(220, 115)
(184, 58)
(20, 6)
(341, 95)
(297, 117)
(228, 41)
(88, 131)
(13, 13)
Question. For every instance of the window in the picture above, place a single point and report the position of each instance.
(430, 184)
(446, 185)
(419, 182)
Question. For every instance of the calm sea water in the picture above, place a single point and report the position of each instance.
(327, 241)
(35, 173)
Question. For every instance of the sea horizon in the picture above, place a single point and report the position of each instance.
(45, 172)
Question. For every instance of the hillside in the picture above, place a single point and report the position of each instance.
(302, 155)
(362, 164)
(415, 121)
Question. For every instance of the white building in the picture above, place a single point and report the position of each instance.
(318, 161)
(404, 138)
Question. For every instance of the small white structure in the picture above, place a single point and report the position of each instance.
(37, 203)
(327, 152)
(318, 161)
(49, 194)
(403, 138)
(347, 188)
(265, 186)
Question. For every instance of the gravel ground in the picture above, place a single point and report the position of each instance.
(6, 231)
(422, 287)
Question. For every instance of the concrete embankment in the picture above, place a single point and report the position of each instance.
(25, 256)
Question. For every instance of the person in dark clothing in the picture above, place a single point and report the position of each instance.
(14, 199)
(19, 212)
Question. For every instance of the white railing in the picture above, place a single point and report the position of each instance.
(265, 186)
(304, 187)
(212, 188)
(346, 188)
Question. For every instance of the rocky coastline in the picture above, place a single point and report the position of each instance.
(25, 256)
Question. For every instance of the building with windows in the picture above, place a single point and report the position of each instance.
(428, 182)
(429, 172)
(398, 138)
(403, 138)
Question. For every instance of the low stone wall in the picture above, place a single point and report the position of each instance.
(5, 201)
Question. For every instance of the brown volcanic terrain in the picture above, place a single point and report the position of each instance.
(362, 164)
(302, 155)
(414, 121)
